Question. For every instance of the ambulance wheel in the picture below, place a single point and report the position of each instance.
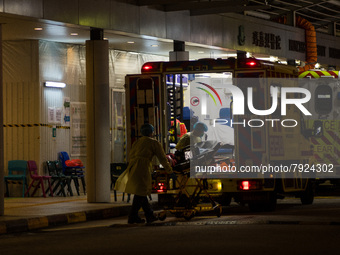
(162, 216)
(307, 196)
(267, 205)
(225, 199)
(255, 207)
(188, 215)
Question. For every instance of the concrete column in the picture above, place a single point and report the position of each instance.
(2, 169)
(98, 118)
(241, 54)
(179, 53)
(291, 18)
(332, 28)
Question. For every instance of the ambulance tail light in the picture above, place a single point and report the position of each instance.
(151, 67)
(249, 185)
(161, 187)
(248, 63)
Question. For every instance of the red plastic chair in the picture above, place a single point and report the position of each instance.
(38, 179)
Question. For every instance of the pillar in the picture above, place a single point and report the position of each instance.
(332, 28)
(291, 18)
(179, 53)
(98, 118)
(2, 169)
(241, 54)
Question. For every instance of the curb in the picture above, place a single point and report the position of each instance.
(29, 224)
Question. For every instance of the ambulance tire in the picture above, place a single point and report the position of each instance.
(307, 196)
(267, 205)
(271, 204)
(255, 207)
(225, 199)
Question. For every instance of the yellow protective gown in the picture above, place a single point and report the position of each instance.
(136, 179)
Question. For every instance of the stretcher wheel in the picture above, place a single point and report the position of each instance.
(218, 210)
(188, 215)
(162, 216)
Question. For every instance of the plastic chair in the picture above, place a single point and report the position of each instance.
(224, 116)
(59, 178)
(116, 170)
(73, 171)
(16, 174)
(37, 180)
(70, 178)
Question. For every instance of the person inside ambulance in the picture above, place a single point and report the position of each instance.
(193, 137)
(136, 179)
(180, 130)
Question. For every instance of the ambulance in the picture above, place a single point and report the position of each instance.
(258, 112)
(325, 119)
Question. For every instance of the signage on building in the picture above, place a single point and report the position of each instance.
(241, 36)
(267, 40)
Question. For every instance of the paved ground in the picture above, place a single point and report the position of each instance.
(32, 213)
(29, 213)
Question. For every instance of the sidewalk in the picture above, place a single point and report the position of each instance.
(31, 213)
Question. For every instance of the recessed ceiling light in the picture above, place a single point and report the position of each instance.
(53, 84)
(130, 42)
(38, 28)
(74, 34)
(154, 45)
(105, 38)
(200, 52)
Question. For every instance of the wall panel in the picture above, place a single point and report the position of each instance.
(121, 21)
(21, 101)
(57, 10)
(95, 13)
(62, 63)
(152, 22)
(32, 8)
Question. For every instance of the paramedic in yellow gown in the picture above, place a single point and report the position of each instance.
(138, 174)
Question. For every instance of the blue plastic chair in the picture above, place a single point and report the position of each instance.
(16, 174)
(74, 171)
(224, 117)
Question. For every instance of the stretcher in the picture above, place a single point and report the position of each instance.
(190, 195)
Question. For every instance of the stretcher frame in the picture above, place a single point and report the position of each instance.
(192, 205)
